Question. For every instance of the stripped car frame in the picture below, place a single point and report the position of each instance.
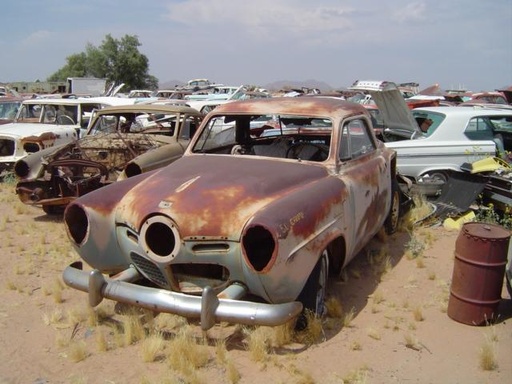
(271, 196)
(121, 141)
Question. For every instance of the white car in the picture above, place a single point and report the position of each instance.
(457, 135)
(43, 123)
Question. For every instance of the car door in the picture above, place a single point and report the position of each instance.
(365, 171)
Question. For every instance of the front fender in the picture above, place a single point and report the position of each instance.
(31, 166)
(154, 159)
(305, 222)
(91, 227)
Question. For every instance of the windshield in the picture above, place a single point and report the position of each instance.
(141, 122)
(8, 109)
(267, 135)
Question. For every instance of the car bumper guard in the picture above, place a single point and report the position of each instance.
(208, 307)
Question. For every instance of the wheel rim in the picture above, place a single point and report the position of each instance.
(439, 176)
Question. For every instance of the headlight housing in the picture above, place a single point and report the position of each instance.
(77, 223)
(260, 247)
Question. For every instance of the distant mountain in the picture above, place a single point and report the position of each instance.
(294, 84)
(171, 84)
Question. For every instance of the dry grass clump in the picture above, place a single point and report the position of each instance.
(418, 314)
(313, 332)
(258, 345)
(300, 376)
(55, 317)
(487, 354)
(133, 329)
(412, 342)
(334, 308)
(101, 340)
(185, 354)
(348, 317)
(358, 376)
(77, 351)
(374, 334)
(152, 347)
(414, 248)
(420, 211)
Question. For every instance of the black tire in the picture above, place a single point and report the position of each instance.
(393, 220)
(313, 294)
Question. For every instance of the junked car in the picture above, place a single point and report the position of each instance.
(247, 225)
(121, 141)
(43, 123)
(456, 135)
(431, 142)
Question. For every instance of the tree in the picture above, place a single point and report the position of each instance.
(118, 61)
(75, 67)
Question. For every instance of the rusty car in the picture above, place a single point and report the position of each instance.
(121, 141)
(42, 123)
(247, 225)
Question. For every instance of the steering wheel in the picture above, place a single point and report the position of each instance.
(295, 150)
(65, 120)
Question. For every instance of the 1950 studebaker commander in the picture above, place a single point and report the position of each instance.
(270, 197)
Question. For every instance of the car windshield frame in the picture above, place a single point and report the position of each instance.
(222, 132)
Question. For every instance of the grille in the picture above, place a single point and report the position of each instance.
(149, 270)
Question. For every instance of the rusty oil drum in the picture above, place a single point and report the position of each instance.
(478, 273)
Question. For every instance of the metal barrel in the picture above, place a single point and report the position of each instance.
(478, 273)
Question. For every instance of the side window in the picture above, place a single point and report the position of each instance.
(356, 140)
(479, 129)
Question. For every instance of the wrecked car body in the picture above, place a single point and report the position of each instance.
(121, 141)
(432, 142)
(457, 135)
(43, 123)
(270, 197)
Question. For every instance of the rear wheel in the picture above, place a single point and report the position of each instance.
(441, 176)
(314, 292)
(393, 219)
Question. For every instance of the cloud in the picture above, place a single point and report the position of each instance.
(412, 11)
(263, 18)
(36, 38)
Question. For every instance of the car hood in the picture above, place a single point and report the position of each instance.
(31, 129)
(214, 196)
(395, 112)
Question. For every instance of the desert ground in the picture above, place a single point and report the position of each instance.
(387, 322)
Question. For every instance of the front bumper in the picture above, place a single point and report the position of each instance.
(208, 307)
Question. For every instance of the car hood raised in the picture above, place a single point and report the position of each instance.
(395, 112)
(214, 196)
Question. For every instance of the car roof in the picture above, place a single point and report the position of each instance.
(62, 101)
(304, 105)
(149, 108)
(465, 111)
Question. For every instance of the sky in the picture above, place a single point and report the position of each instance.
(458, 44)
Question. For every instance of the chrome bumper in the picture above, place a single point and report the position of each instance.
(208, 307)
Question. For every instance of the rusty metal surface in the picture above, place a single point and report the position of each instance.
(54, 178)
(478, 273)
(207, 220)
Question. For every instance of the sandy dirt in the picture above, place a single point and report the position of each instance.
(393, 326)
